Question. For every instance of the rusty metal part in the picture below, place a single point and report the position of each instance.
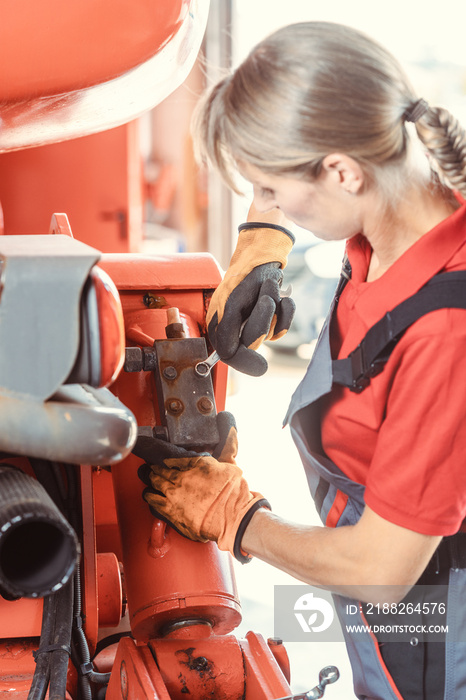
(174, 327)
(186, 399)
(174, 406)
(139, 360)
(153, 301)
(159, 431)
(170, 373)
(205, 405)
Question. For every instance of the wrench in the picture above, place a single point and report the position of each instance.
(204, 368)
(329, 674)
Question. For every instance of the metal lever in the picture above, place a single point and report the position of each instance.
(329, 674)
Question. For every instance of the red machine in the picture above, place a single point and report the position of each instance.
(97, 597)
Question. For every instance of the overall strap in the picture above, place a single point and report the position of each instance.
(445, 290)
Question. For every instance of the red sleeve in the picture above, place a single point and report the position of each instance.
(417, 477)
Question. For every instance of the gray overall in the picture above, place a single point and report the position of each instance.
(372, 681)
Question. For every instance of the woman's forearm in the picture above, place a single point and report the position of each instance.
(361, 561)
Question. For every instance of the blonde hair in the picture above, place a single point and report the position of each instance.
(316, 88)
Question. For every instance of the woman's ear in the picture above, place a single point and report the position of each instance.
(345, 171)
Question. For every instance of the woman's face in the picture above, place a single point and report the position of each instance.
(326, 207)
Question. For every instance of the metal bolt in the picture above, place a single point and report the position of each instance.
(174, 406)
(170, 373)
(153, 302)
(149, 359)
(160, 432)
(205, 405)
(133, 360)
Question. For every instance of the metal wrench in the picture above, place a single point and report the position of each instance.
(204, 368)
(329, 674)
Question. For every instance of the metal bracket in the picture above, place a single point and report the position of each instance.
(186, 398)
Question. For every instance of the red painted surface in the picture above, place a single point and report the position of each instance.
(51, 47)
(96, 180)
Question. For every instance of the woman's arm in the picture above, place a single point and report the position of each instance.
(371, 557)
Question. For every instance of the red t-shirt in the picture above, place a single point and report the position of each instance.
(404, 437)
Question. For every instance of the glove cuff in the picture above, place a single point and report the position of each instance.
(262, 224)
(258, 244)
(238, 553)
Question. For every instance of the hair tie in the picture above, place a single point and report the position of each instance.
(416, 111)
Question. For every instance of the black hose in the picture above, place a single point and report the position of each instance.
(45, 475)
(108, 641)
(40, 680)
(61, 639)
(52, 657)
(80, 642)
(68, 635)
(38, 547)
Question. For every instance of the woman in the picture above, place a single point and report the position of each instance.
(317, 119)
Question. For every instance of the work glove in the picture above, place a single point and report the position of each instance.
(202, 496)
(246, 308)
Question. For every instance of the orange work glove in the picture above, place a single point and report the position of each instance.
(246, 309)
(202, 497)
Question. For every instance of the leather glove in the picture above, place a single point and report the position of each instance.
(246, 308)
(203, 497)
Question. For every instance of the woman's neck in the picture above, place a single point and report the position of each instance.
(394, 231)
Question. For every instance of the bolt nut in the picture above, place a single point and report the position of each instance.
(149, 359)
(133, 360)
(205, 405)
(170, 373)
(160, 432)
(174, 406)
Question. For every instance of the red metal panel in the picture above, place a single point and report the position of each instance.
(159, 272)
(96, 180)
(20, 618)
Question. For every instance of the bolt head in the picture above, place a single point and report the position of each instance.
(170, 373)
(174, 406)
(205, 405)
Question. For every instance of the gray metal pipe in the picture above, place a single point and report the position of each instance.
(78, 425)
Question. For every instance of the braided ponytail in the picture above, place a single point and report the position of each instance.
(445, 140)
